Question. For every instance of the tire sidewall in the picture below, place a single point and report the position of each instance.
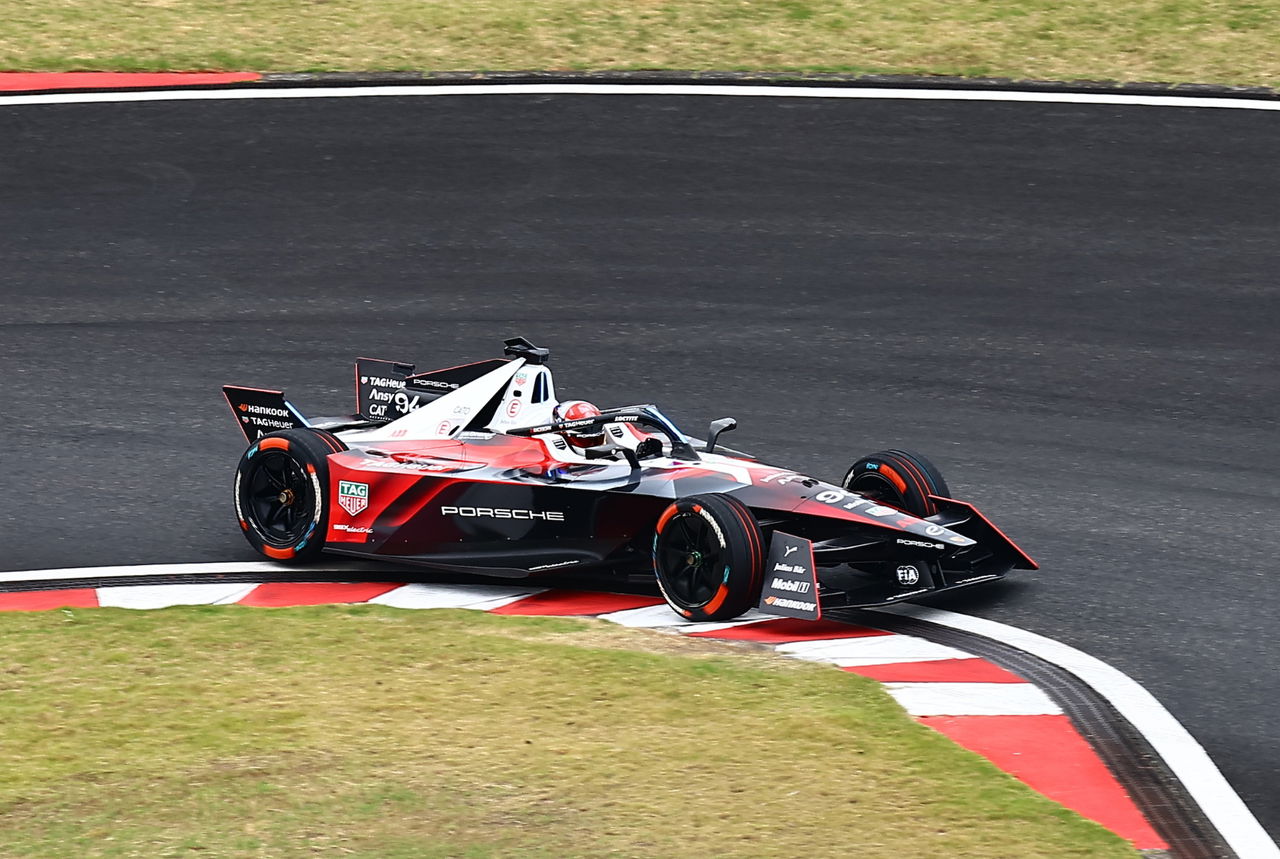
(742, 542)
(310, 451)
(912, 477)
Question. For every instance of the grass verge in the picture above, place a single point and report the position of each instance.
(1175, 41)
(365, 730)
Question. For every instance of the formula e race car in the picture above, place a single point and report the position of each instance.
(480, 469)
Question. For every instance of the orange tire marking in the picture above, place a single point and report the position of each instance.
(269, 443)
(278, 554)
(717, 600)
(665, 518)
(894, 477)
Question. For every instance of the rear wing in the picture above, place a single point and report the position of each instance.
(259, 411)
(388, 390)
(385, 391)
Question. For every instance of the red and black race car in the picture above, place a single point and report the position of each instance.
(480, 469)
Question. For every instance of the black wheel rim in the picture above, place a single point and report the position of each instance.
(877, 487)
(278, 497)
(691, 560)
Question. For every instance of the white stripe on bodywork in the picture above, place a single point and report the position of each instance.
(973, 699)
(445, 417)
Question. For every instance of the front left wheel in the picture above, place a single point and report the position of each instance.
(708, 555)
(280, 493)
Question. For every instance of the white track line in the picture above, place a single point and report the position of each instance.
(258, 91)
(1185, 757)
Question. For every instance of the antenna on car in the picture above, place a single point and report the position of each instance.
(519, 347)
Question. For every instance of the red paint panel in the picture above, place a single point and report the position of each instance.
(14, 81)
(560, 603)
(792, 629)
(315, 593)
(1048, 754)
(938, 671)
(44, 600)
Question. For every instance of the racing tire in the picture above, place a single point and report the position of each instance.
(708, 556)
(281, 493)
(899, 478)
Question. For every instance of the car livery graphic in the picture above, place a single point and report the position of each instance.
(476, 469)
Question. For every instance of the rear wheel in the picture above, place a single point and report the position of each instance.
(708, 555)
(899, 478)
(281, 491)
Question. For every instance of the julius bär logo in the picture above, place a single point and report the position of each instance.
(353, 497)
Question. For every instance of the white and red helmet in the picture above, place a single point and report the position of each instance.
(575, 410)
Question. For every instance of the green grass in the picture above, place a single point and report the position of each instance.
(1206, 41)
(368, 731)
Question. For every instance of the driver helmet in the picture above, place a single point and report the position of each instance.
(573, 410)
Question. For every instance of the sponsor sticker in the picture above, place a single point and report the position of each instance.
(353, 497)
(352, 529)
(791, 586)
(908, 575)
(921, 543)
(502, 513)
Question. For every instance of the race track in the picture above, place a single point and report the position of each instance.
(1071, 308)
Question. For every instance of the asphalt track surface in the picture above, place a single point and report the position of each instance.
(1071, 308)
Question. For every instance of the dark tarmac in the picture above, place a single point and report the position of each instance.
(1072, 309)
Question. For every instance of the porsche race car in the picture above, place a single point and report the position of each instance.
(474, 469)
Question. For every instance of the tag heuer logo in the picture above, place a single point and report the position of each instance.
(353, 497)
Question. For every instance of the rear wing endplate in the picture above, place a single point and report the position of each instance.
(259, 411)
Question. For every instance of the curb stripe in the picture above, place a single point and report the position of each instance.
(570, 603)
(1185, 757)
(46, 600)
(1048, 754)
(875, 652)
(938, 671)
(871, 650)
(163, 596)
(972, 699)
(775, 630)
(319, 593)
(482, 597)
(12, 81)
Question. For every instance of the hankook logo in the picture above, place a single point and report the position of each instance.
(502, 513)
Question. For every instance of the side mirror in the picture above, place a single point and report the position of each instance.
(717, 427)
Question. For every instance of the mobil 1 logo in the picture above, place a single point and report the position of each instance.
(790, 579)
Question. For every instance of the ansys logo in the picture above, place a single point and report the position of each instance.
(353, 497)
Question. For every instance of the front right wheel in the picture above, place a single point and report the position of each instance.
(899, 478)
(708, 556)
